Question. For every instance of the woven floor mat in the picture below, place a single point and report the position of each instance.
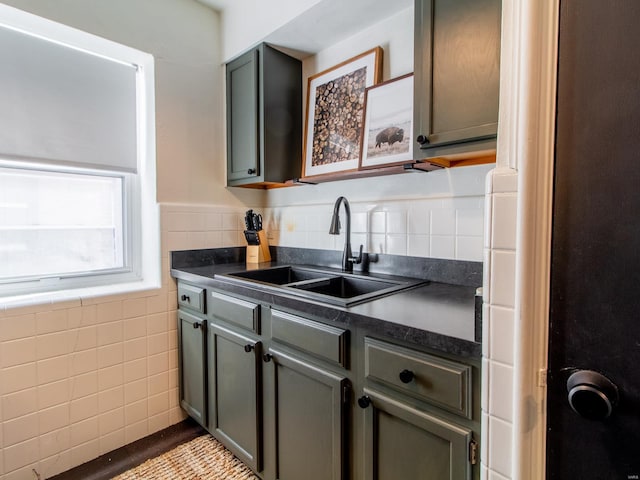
(201, 459)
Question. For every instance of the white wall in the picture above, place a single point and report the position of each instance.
(86, 376)
(184, 38)
(436, 214)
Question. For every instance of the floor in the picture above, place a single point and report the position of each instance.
(113, 463)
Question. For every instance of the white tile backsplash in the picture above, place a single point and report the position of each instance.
(500, 444)
(396, 244)
(501, 377)
(501, 336)
(443, 246)
(397, 222)
(418, 219)
(417, 245)
(378, 222)
(451, 228)
(503, 265)
(504, 230)
(469, 221)
(498, 325)
(443, 221)
(468, 248)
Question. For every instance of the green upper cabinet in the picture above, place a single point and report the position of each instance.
(264, 118)
(457, 74)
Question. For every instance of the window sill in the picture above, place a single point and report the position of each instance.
(81, 295)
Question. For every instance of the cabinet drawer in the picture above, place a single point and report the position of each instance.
(442, 382)
(324, 341)
(191, 297)
(235, 311)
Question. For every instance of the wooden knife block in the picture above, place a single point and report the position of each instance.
(259, 253)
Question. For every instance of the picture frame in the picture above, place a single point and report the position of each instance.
(387, 134)
(335, 109)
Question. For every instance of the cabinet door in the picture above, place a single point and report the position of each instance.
(242, 117)
(192, 368)
(457, 71)
(402, 442)
(235, 392)
(309, 418)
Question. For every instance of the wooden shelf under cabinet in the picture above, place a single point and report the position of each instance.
(431, 164)
(427, 165)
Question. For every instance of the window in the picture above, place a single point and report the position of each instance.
(77, 160)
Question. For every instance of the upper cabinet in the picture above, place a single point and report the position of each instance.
(264, 111)
(457, 76)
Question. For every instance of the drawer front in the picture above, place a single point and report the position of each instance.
(323, 341)
(191, 297)
(439, 381)
(235, 311)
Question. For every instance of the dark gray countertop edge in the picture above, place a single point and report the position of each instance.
(338, 315)
(454, 272)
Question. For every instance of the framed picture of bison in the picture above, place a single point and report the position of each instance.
(388, 123)
(335, 107)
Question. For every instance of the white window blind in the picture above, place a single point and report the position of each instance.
(59, 105)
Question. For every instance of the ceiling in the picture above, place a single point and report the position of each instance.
(324, 24)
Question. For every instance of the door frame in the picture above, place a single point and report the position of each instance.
(526, 135)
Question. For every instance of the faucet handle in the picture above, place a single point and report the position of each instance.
(358, 259)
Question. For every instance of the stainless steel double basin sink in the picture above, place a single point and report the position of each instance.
(327, 286)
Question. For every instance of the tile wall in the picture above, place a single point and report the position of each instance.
(498, 325)
(83, 377)
(450, 228)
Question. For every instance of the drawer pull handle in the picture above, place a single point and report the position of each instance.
(364, 401)
(267, 357)
(406, 376)
(248, 347)
(185, 298)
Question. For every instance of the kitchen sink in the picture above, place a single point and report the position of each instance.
(346, 287)
(280, 275)
(338, 288)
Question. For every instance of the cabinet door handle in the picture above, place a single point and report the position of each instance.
(196, 324)
(422, 139)
(406, 376)
(251, 171)
(248, 347)
(185, 298)
(364, 401)
(267, 357)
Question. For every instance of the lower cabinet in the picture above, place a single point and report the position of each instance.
(402, 442)
(283, 392)
(310, 418)
(192, 365)
(235, 393)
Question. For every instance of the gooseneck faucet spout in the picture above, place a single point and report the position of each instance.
(347, 257)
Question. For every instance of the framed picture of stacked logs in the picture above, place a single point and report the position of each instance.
(388, 123)
(335, 107)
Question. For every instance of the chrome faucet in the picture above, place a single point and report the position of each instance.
(347, 257)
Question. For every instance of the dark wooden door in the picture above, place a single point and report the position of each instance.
(595, 264)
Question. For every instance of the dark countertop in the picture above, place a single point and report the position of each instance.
(438, 315)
